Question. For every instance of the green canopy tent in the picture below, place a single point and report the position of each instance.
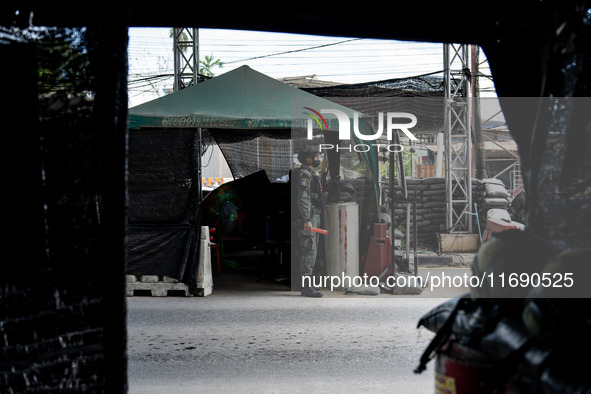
(165, 134)
(242, 99)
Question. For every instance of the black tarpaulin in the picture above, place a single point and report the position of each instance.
(164, 229)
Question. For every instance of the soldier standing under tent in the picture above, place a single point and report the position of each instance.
(307, 195)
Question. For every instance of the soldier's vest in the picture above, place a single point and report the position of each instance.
(316, 194)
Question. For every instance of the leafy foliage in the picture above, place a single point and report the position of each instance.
(63, 61)
(207, 64)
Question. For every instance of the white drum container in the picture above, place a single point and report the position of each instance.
(342, 242)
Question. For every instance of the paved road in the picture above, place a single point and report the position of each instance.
(252, 337)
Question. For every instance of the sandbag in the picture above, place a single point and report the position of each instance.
(496, 202)
(497, 213)
(495, 190)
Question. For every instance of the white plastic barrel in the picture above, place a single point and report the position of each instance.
(342, 242)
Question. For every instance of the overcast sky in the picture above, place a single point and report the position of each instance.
(278, 55)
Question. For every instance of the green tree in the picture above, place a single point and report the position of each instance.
(63, 60)
(207, 64)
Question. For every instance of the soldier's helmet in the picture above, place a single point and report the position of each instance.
(307, 151)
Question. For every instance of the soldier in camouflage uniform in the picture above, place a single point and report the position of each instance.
(307, 195)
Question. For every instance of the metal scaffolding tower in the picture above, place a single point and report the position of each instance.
(458, 140)
(186, 57)
(186, 72)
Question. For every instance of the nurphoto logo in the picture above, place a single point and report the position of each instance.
(344, 129)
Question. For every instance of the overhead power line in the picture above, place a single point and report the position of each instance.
(293, 51)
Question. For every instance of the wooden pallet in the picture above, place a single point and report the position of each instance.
(155, 286)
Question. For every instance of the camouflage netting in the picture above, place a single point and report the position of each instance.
(562, 203)
(273, 150)
(428, 85)
(420, 95)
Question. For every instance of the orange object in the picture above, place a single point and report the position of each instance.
(319, 230)
(379, 252)
(218, 256)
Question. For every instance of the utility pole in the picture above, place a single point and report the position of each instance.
(458, 140)
(479, 152)
(186, 56)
